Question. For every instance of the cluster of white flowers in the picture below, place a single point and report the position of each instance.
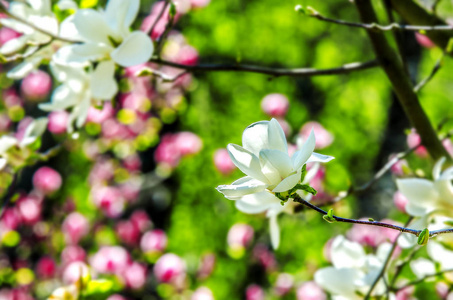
(265, 160)
(83, 50)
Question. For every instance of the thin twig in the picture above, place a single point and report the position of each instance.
(400, 267)
(420, 280)
(374, 26)
(165, 34)
(298, 72)
(150, 30)
(384, 266)
(436, 68)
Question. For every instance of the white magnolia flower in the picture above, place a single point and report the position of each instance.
(70, 292)
(439, 254)
(38, 13)
(265, 160)
(353, 271)
(80, 88)
(106, 34)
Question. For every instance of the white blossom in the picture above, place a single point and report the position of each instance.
(265, 160)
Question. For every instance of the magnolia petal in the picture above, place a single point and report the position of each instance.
(121, 14)
(67, 4)
(274, 230)
(92, 26)
(421, 192)
(279, 161)
(69, 30)
(415, 210)
(67, 56)
(287, 183)
(300, 157)
(3, 163)
(256, 203)
(241, 187)
(7, 142)
(422, 267)
(246, 161)
(103, 84)
(347, 254)
(136, 49)
(22, 69)
(13, 46)
(34, 131)
(440, 254)
(338, 281)
(90, 51)
(82, 112)
(316, 157)
(277, 138)
(255, 137)
(438, 168)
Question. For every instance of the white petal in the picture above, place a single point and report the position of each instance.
(15, 45)
(241, 187)
(83, 111)
(92, 26)
(300, 157)
(338, 281)
(34, 131)
(274, 232)
(256, 203)
(91, 51)
(3, 163)
(438, 168)
(316, 157)
(287, 183)
(419, 192)
(255, 137)
(422, 267)
(7, 142)
(279, 160)
(136, 49)
(277, 138)
(103, 84)
(67, 56)
(22, 69)
(69, 30)
(246, 161)
(347, 254)
(121, 14)
(67, 4)
(440, 254)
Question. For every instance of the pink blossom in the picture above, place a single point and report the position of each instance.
(128, 232)
(74, 227)
(58, 121)
(15, 294)
(310, 291)
(223, 162)
(442, 290)
(265, 257)
(141, 220)
(5, 122)
(400, 201)
(10, 218)
(284, 284)
(398, 167)
(71, 254)
(47, 180)
(202, 293)
(154, 241)
(199, 3)
(116, 297)
(275, 105)
(169, 267)
(103, 170)
(371, 235)
(132, 162)
(11, 98)
(109, 199)
(187, 55)
(405, 294)
(22, 127)
(7, 34)
(36, 85)
(135, 275)
(323, 137)
(424, 41)
(188, 143)
(46, 267)
(240, 236)
(448, 146)
(151, 19)
(30, 209)
(254, 292)
(74, 271)
(413, 140)
(110, 260)
(207, 265)
(168, 152)
(99, 116)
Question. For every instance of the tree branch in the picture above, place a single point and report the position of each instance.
(423, 279)
(401, 83)
(298, 72)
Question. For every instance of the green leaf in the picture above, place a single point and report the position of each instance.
(172, 10)
(304, 187)
(303, 173)
(329, 217)
(100, 286)
(423, 237)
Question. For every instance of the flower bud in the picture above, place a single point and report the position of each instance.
(74, 227)
(141, 220)
(413, 140)
(400, 201)
(110, 200)
(202, 293)
(36, 86)
(128, 232)
(47, 180)
(71, 254)
(154, 241)
(442, 290)
(310, 291)
(199, 3)
(424, 41)
(135, 275)
(74, 271)
(7, 34)
(283, 284)
(323, 137)
(110, 260)
(58, 122)
(169, 267)
(30, 209)
(275, 105)
(254, 292)
(223, 162)
(188, 143)
(46, 267)
(240, 236)
(116, 297)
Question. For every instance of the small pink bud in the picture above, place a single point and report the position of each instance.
(240, 236)
(275, 105)
(168, 152)
(265, 257)
(46, 267)
(448, 146)
(110, 260)
(116, 297)
(71, 254)
(398, 167)
(169, 267)
(30, 210)
(141, 220)
(254, 292)
(110, 200)
(58, 121)
(74, 271)
(10, 218)
(207, 265)
(99, 116)
(135, 275)
(154, 241)
(442, 290)
(7, 34)
(10, 98)
(187, 55)
(133, 163)
(75, 227)
(323, 137)
(424, 41)
(284, 284)
(47, 180)
(128, 232)
(400, 201)
(223, 162)
(36, 86)
(188, 143)
(413, 140)
(5, 122)
(310, 291)
(202, 293)
(405, 294)
(199, 3)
